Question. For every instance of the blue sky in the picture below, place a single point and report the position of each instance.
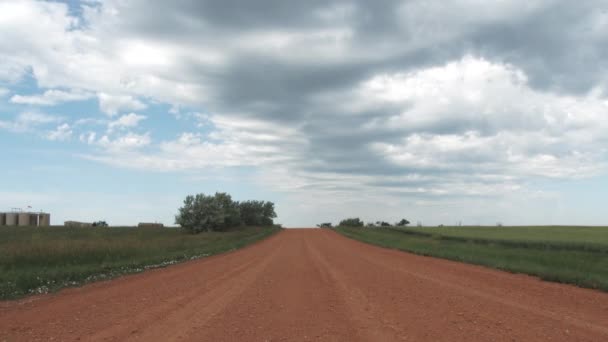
(437, 111)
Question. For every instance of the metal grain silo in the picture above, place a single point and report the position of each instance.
(33, 220)
(23, 219)
(44, 220)
(2, 219)
(11, 219)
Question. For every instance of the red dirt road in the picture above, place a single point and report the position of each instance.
(313, 285)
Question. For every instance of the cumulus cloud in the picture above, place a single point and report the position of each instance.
(123, 143)
(126, 121)
(62, 132)
(468, 127)
(26, 121)
(88, 137)
(232, 143)
(51, 97)
(113, 104)
(408, 98)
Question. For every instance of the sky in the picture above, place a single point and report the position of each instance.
(438, 111)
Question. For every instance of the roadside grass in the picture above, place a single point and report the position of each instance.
(564, 237)
(574, 255)
(40, 260)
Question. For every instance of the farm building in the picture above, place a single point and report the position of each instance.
(25, 219)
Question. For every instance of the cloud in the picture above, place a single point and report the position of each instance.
(90, 122)
(123, 143)
(126, 121)
(51, 97)
(409, 99)
(468, 127)
(231, 144)
(26, 121)
(62, 132)
(4, 92)
(113, 104)
(88, 138)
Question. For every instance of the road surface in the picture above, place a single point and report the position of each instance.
(312, 285)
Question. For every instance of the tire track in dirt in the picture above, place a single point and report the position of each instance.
(294, 300)
(171, 320)
(313, 285)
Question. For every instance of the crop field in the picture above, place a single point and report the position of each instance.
(551, 235)
(38, 260)
(575, 255)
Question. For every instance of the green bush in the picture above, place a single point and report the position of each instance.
(403, 223)
(220, 213)
(257, 213)
(351, 222)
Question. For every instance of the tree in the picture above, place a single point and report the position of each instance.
(208, 213)
(383, 224)
(251, 212)
(230, 210)
(268, 213)
(351, 222)
(219, 212)
(324, 225)
(403, 223)
(257, 213)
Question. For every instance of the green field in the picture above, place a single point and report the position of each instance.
(39, 260)
(575, 255)
(589, 237)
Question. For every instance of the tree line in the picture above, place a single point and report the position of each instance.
(220, 213)
(357, 222)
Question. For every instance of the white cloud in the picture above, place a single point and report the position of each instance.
(88, 137)
(473, 112)
(62, 132)
(338, 99)
(4, 92)
(51, 97)
(90, 122)
(126, 121)
(28, 120)
(477, 123)
(113, 104)
(232, 143)
(124, 143)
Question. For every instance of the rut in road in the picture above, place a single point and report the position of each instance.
(313, 285)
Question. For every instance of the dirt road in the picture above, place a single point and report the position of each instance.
(313, 285)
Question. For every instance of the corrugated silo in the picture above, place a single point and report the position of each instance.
(44, 220)
(23, 219)
(2, 219)
(11, 219)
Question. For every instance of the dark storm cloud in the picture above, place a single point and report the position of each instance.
(184, 17)
(558, 47)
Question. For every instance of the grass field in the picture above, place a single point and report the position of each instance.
(35, 260)
(575, 255)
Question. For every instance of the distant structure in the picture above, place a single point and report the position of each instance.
(76, 224)
(150, 225)
(25, 219)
